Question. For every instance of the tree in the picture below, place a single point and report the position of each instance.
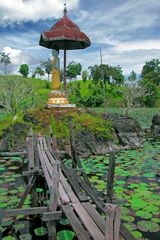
(132, 92)
(132, 76)
(24, 70)
(84, 75)
(39, 71)
(73, 69)
(106, 73)
(151, 70)
(16, 94)
(5, 58)
(47, 65)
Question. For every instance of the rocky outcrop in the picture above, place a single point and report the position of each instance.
(128, 130)
(14, 137)
(86, 143)
(155, 126)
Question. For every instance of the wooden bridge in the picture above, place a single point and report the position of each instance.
(71, 195)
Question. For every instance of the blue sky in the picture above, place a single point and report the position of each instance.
(127, 30)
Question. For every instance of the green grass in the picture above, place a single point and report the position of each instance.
(142, 115)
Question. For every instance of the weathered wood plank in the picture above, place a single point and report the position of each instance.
(36, 156)
(75, 185)
(45, 144)
(23, 211)
(112, 222)
(63, 195)
(31, 153)
(35, 172)
(51, 157)
(75, 223)
(46, 174)
(47, 163)
(12, 154)
(51, 216)
(88, 222)
(91, 193)
(68, 189)
(100, 222)
(54, 191)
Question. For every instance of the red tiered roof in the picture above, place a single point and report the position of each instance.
(64, 35)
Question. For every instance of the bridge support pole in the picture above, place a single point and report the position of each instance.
(110, 177)
(113, 220)
(53, 199)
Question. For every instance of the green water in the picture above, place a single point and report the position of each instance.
(136, 180)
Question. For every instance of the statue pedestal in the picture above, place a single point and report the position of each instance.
(57, 99)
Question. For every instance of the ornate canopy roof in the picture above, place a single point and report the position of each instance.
(64, 35)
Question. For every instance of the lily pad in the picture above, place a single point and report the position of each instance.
(137, 234)
(9, 238)
(128, 218)
(148, 226)
(65, 235)
(40, 231)
(19, 226)
(64, 222)
(144, 214)
(25, 237)
(6, 222)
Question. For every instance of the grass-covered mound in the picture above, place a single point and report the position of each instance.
(41, 121)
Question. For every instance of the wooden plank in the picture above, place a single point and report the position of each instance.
(54, 191)
(35, 172)
(75, 223)
(92, 194)
(51, 157)
(40, 142)
(68, 189)
(27, 191)
(12, 154)
(100, 222)
(46, 174)
(71, 176)
(36, 156)
(63, 195)
(30, 152)
(23, 211)
(47, 163)
(51, 216)
(45, 144)
(88, 222)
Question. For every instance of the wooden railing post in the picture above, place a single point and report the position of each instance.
(113, 220)
(110, 177)
(72, 143)
(54, 199)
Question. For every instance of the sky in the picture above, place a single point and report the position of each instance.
(128, 31)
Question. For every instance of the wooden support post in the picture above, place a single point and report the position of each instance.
(72, 143)
(54, 199)
(112, 222)
(27, 191)
(53, 140)
(110, 177)
(30, 149)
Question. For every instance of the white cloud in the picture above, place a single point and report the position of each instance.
(19, 10)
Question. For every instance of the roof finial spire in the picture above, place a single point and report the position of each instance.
(65, 9)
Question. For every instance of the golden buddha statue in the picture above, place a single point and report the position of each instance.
(56, 97)
(55, 70)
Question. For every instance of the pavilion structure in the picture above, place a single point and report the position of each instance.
(64, 35)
